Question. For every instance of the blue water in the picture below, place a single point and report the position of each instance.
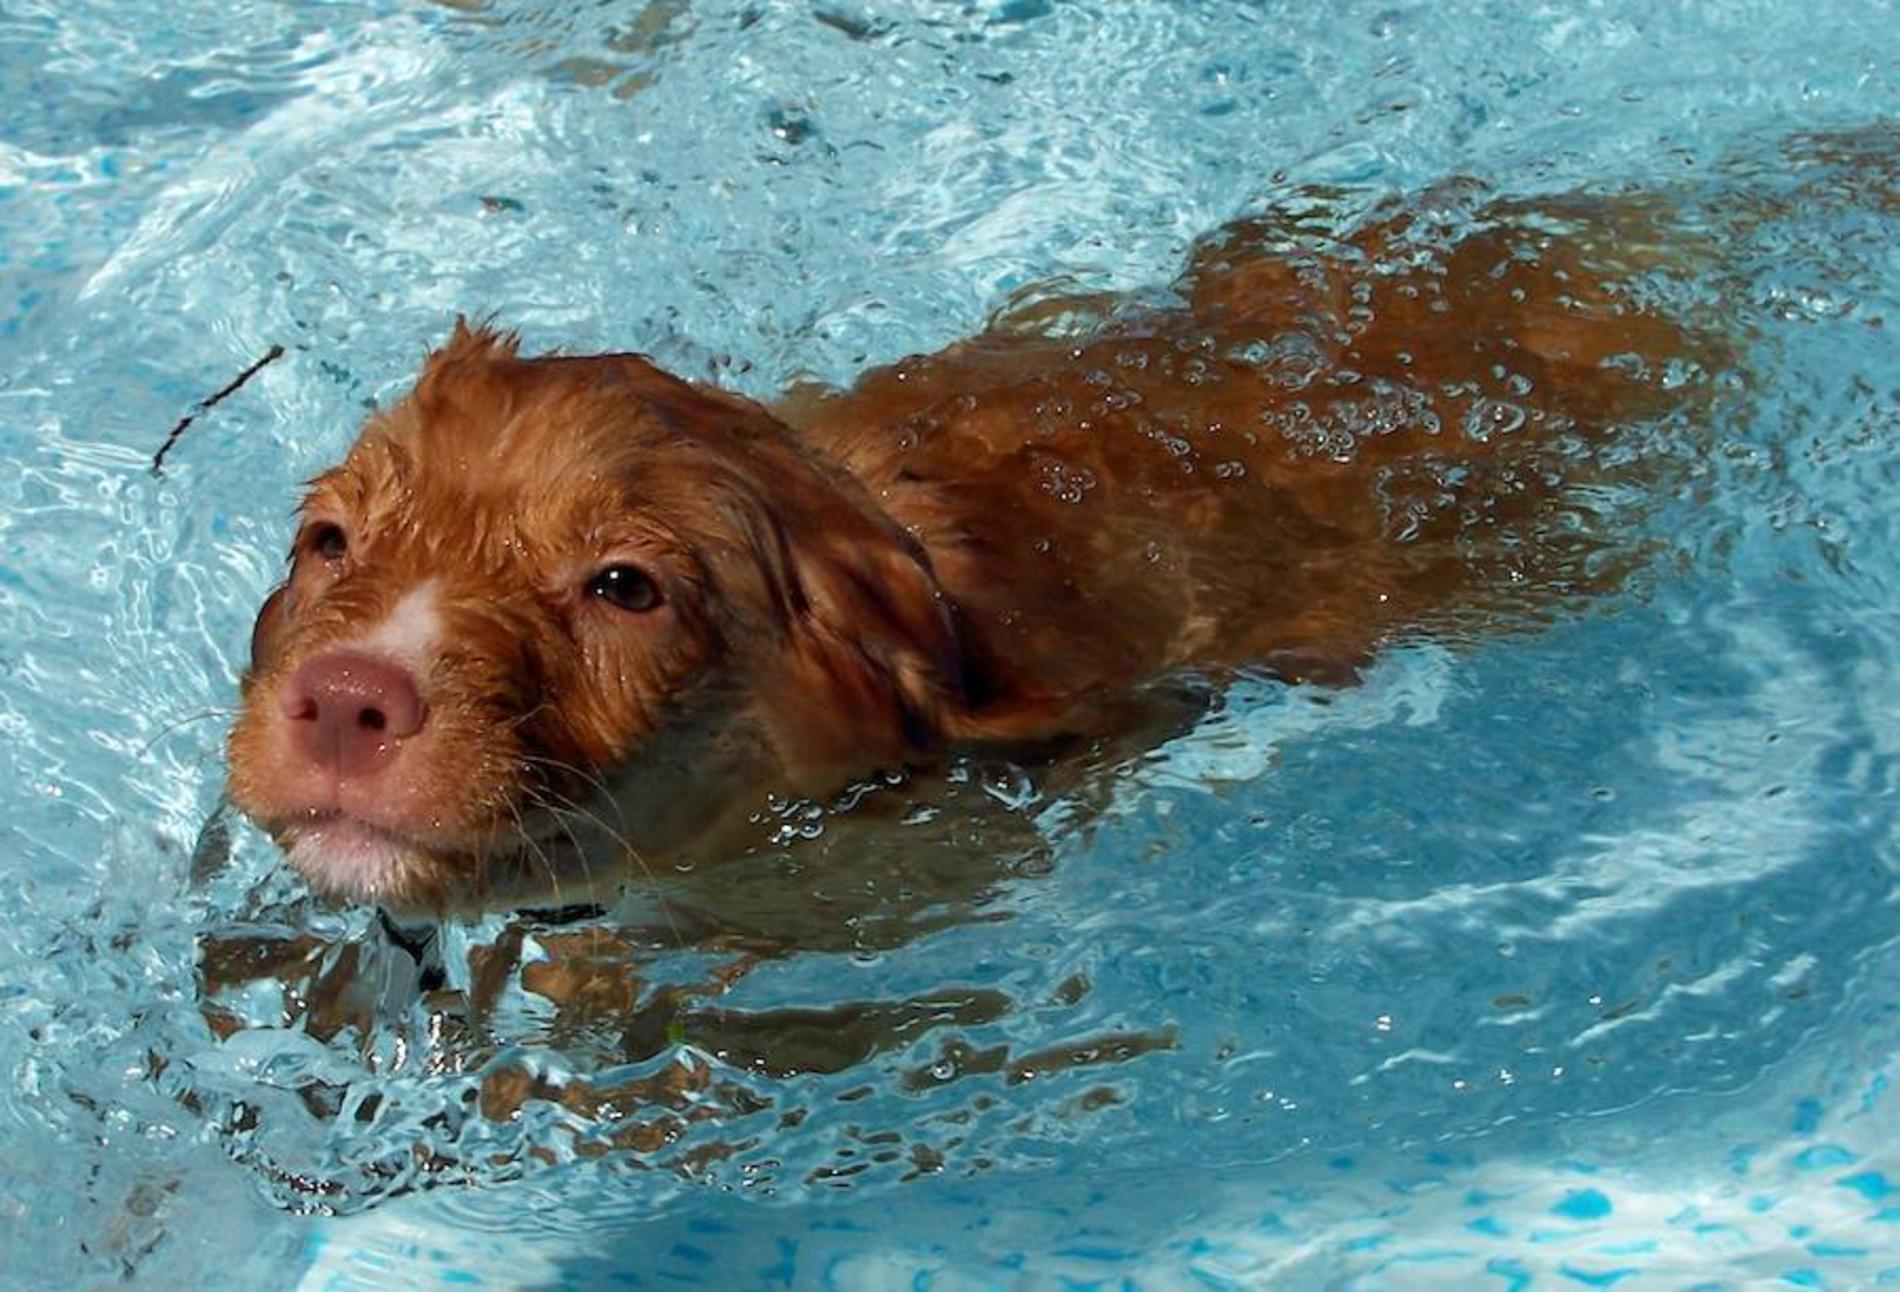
(1568, 959)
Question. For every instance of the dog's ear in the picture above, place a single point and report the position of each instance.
(869, 672)
(854, 655)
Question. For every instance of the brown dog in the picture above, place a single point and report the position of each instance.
(555, 607)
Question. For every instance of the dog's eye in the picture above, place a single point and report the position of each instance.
(327, 541)
(625, 587)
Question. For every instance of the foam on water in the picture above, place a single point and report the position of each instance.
(1567, 957)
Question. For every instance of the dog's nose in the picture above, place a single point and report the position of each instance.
(348, 712)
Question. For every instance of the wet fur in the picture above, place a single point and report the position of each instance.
(1316, 444)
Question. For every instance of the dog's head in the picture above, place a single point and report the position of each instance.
(546, 598)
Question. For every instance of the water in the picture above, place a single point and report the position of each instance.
(1561, 958)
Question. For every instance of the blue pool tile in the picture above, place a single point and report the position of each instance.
(1516, 1277)
(1822, 1156)
(1584, 1204)
(1875, 1088)
(1871, 1185)
(1597, 1278)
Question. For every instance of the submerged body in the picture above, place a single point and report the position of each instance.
(549, 610)
(1319, 445)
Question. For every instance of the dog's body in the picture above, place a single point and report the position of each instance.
(1274, 472)
(550, 604)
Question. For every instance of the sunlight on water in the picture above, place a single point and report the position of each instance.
(1530, 957)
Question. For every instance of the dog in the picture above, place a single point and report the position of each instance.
(555, 616)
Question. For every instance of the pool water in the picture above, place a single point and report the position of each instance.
(1561, 958)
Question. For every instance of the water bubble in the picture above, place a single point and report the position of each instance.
(1678, 373)
(1488, 417)
(1053, 412)
(790, 125)
(1009, 785)
(1335, 429)
(1063, 480)
(1290, 361)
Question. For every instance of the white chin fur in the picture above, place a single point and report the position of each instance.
(352, 860)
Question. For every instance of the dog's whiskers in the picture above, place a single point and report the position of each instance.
(565, 810)
(535, 851)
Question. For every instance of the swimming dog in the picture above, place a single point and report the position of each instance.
(549, 609)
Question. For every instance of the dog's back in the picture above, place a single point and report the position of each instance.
(1322, 443)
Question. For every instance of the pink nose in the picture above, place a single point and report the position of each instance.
(348, 712)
